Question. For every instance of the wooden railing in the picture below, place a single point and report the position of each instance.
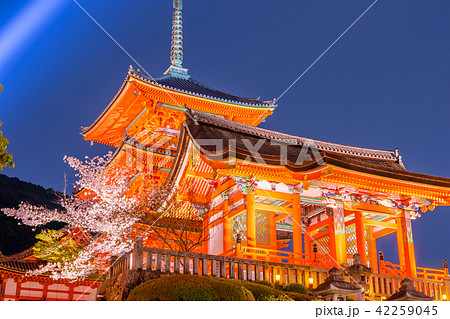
(383, 286)
(280, 256)
(388, 268)
(430, 273)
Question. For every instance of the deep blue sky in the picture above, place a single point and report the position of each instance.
(385, 84)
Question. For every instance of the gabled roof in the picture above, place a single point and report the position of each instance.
(236, 127)
(382, 163)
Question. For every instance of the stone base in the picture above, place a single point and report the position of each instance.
(117, 289)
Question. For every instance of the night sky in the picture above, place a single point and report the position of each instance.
(385, 84)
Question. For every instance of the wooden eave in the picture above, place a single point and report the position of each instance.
(377, 183)
(364, 168)
(235, 112)
(110, 126)
(136, 94)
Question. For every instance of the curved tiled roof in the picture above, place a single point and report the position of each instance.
(182, 84)
(22, 265)
(295, 140)
(186, 84)
(383, 163)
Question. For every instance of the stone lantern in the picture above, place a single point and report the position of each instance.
(335, 288)
(408, 292)
(360, 274)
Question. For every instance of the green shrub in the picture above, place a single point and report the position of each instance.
(298, 288)
(187, 287)
(264, 282)
(301, 297)
(265, 293)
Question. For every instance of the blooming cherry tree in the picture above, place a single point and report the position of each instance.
(106, 207)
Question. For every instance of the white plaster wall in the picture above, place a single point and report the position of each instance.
(11, 287)
(215, 246)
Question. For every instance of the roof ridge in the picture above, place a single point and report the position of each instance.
(230, 98)
(274, 135)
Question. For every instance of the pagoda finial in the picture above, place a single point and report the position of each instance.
(176, 54)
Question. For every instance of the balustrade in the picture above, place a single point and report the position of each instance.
(266, 264)
(174, 262)
(383, 286)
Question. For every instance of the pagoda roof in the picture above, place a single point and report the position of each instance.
(186, 84)
(384, 163)
(171, 91)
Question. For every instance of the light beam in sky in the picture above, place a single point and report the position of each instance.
(23, 27)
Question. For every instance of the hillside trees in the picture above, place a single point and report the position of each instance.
(5, 158)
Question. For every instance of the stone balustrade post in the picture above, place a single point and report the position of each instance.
(112, 262)
(176, 264)
(240, 270)
(158, 262)
(186, 265)
(204, 266)
(167, 263)
(232, 269)
(138, 254)
(195, 266)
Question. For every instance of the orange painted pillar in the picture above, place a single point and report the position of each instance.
(373, 251)
(297, 225)
(307, 240)
(332, 237)
(360, 240)
(227, 235)
(205, 235)
(399, 233)
(272, 231)
(338, 244)
(251, 218)
(408, 245)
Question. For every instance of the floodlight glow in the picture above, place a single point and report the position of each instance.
(15, 35)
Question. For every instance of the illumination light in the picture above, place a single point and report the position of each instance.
(311, 281)
(444, 297)
(277, 278)
(27, 23)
